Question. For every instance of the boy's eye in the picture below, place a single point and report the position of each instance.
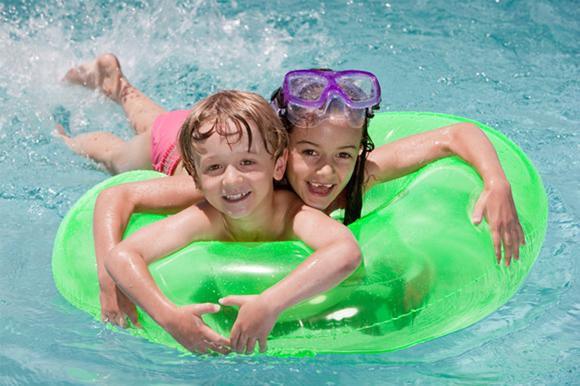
(247, 162)
(214, 167)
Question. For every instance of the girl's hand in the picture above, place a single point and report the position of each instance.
(254, 323)
(497, 205)
(116, 307)
(189, 330)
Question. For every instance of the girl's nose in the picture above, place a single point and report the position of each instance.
(326, 168)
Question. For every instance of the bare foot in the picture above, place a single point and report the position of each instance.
(61, 130)
(68, 140)
(103, 74)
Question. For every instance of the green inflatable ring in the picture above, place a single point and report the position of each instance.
(427, 270)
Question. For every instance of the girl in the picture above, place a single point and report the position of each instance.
(331, 160)
(234, 146)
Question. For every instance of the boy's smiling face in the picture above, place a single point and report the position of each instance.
(237, 178)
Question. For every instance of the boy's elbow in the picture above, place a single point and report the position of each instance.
(111, 195)
(115, 260)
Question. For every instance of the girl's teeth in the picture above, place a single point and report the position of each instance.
(328, 186)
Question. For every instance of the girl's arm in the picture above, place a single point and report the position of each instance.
(113, 209)
(127, 264)
(467, 141)
(336, 256)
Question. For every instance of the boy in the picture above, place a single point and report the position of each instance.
(234, 145)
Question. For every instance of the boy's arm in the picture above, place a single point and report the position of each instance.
(113, 209)
(336, 256)
(127, 265)
(467, 141)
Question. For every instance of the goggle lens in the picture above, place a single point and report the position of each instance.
(307, 87)
(358, 88)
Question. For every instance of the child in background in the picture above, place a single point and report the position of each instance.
(156, 130)
(234, 146)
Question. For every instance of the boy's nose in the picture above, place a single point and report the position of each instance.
(232, 177)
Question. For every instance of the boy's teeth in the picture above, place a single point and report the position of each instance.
(236, 196)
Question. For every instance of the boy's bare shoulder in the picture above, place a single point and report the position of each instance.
(287, 202)
(290, 206)
(207, 219)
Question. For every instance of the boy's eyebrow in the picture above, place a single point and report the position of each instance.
(317, 145)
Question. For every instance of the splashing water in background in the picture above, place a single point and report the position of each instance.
(512, 65)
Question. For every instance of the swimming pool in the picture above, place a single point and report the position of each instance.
(513, 65)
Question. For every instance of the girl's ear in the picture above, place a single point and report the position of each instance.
(280, 167)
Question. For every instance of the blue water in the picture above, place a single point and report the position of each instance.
(513, 65)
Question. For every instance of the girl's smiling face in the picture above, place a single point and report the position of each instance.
(321, 161)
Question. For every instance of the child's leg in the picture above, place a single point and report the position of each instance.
(114, 153)
(105, 74)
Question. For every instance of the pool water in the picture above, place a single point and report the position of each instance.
(513, 65)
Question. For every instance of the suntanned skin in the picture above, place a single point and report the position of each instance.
(322, 154)
(241, 205)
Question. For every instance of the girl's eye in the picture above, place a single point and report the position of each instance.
(344, 155)
(309, 152)
(247, 162)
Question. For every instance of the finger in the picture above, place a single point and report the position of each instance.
(234, 337)
(206, 308)
(251, 346)
(133, 317)
(241, 345)
(507, 249)
(517, 251)
(232, 300)
(199, 349)
(477, 216)
(216, 338)
(263, 346)
(516, 242)
(114, 320)
(521, 234)
(496, 244)
(122, 321)
(217, 348)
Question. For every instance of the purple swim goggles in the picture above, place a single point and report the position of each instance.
(310, 97)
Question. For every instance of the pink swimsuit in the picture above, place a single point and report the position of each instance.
(164, 135)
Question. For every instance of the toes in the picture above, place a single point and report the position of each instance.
(83, 75)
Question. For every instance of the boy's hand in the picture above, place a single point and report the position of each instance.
(497, 205)
(116, 306)
(189, 330)
(254, 323)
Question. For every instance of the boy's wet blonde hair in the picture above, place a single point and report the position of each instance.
(238, 107)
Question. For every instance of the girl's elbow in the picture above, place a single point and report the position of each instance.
(352, 258)
(458, 134)
(462, 129)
